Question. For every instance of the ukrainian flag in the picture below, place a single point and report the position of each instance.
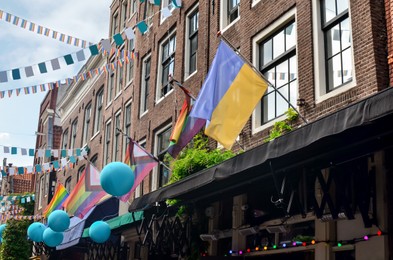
(228, 96)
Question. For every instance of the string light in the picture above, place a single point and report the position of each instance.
(304, 243)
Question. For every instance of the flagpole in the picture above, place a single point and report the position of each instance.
(260, 74)
(154, 157)
(172, 80)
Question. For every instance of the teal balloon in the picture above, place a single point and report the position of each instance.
(52, 238)
(58, 221)
(117, 178)
(2, 228)
(35, 231)
(99, 231)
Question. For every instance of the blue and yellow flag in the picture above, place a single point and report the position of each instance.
(228, 96)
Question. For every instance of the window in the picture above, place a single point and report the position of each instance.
(278, 62)
(127, 125)
(98, 116)
(191, 42)
(65, 140)
(111, 84)
(139, 188)
(130, 65)
(233, 10)
(167, 61)
(124, 14)
(119, 85)
(148, 13)
(133, 7)
(333, 53)
(145, 84)
(67, 184)
(41, 190)
(229, 12)
(337, 36)
(117, 139)
(86, 127)
(107, 143)
(73, 133)
(80, 172)
(93, 160)
(115, 24)
(162, 143)
(166, 3)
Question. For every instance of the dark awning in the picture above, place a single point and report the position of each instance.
(362, 126)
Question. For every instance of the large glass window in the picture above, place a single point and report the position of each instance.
(117, 138)
(124, 14)
(65, 140)
(338, 43)
(130, 65)
(127, 125)
(67, 184)
(115, 24)
(162, 144)
(277, 59)
(119, 85)
(111, 85)
(73, 133)
(145, 84)
(86, 127)
(233, 10)
(133, 6)
(192, 42)
(168, 49)
(107, 144)
(98, 116)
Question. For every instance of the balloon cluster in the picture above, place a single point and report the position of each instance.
(58, 222)
(116, 178)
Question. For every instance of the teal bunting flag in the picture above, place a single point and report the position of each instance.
(72, 159)
(15, 74)
(42, 67)
(13, 150)
(93, 50)
(31, 152)
(48, 153)
(63, 153)
(21, 170)
(142, 26)
(176, 3)
(23, 201)
(118, 39)
(68, 59)
(56, 165)
(38, 168)
(78, 152)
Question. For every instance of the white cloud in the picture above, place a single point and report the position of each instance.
(4, 137)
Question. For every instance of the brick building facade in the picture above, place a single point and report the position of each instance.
(327, 57)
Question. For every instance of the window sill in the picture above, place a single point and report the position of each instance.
(230, 25)
(143, 114)
(254, 3)
(129, 83)
(189, 76)
(323, 97)
(162, 98)
(265, 126)
(118, 95)
(108, 105)
(97, 133)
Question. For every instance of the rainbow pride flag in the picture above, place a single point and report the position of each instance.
(57, 201)
(81, 200)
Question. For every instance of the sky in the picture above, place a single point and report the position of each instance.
(85, 19)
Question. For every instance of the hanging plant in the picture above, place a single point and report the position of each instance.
(284, 126)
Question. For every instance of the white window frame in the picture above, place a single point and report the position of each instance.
(119, 81)
(224, 22)
(110, 88)
(98, 118)
(106, 145)
(319, 57)
(133, 8)
(144, 88)
(125, 142)
(155, 177)
(165, 3)
(257, 126)
(73, 133)
(123, 18)
(65, 140)
(116, 151)
(130, 74)
(159, 97)
(138, 189)
(87, 123)
(187, 74)
(115, 18)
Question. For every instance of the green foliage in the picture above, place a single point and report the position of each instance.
(196, 158)
(193, 159)
(15, 244)
(281, 127)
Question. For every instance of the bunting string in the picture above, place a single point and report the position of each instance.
(41, 30)
(108, 68)
(42, 153)
(57, 165)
